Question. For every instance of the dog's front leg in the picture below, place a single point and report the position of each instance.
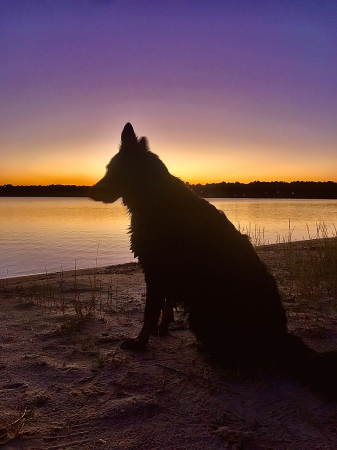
(155, 299)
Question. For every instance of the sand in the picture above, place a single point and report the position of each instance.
(66, 384)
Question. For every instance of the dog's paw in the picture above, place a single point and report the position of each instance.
(133, 344)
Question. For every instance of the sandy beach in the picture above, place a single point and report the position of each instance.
(66, 384)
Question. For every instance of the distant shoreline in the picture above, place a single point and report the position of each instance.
(257, 189)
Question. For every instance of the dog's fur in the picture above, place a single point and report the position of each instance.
(192, 255)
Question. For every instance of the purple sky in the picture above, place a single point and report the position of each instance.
(224, 90)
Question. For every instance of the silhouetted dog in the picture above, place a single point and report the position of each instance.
(192, 255)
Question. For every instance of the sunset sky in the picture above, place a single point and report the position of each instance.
(229, 90)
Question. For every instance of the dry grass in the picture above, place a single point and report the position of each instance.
(306, 271)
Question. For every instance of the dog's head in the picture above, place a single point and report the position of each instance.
(130, 171)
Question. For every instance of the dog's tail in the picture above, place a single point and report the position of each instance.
(318, 370)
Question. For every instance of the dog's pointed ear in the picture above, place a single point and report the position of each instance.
(128, 133)
(128, 138)
(143, 145)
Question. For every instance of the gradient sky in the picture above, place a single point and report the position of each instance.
(229, 90)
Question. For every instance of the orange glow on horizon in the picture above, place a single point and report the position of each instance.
(86, 180)
(87, 166)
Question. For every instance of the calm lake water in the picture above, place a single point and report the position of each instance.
(53, 234)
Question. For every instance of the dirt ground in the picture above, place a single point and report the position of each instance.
(66, 384)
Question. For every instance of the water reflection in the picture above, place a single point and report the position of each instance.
(38, 235)
(277, 217)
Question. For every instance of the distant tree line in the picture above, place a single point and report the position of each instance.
(53, 190)
(256, 189)
(265, 189)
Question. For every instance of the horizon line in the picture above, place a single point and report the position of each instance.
(186, 182)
